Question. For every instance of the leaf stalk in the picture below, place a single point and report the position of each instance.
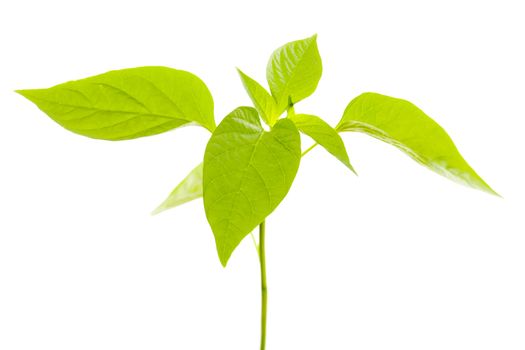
(264, 291)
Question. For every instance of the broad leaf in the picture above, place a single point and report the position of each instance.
(262, 100)
(293, 71)
(247, 173)
(322, 133)
(191, 187)
(402, 124)
(187, 190)
(128, 103)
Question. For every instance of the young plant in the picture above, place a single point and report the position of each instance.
(247, 171)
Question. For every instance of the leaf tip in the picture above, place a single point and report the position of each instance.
(494, 193)
(29, 94)
(241, 74)
(224, 259)
(22, 92)
(481, 185)
(349, 166)
(489, 190)
(158, 210)
(347, 163)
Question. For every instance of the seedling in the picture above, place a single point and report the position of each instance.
(247, 171)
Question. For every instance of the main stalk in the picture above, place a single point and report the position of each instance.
(264, 292)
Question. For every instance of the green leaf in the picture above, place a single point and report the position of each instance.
(262, 100)
(187, 190)
(402, 124)
(322, 133)
(128, 103)
(247, 173)
(293, 71)
(191, 187)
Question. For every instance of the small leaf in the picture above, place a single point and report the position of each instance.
(402, 124)
(247, 173)
(187, 190)
(293, 71)
(322, 133)
(262, 100)
(127, 103)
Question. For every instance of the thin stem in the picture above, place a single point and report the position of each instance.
(309, 149)
(262, 262)
(264, 293)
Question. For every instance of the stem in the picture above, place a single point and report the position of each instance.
(262, 262)
(264, 293)
(309, 149)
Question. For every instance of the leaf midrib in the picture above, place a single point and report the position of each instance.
(294, 72)
(243, 177)
(107, 110)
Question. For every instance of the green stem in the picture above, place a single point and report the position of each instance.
(262, 261)
(309, 149)
(264, 293)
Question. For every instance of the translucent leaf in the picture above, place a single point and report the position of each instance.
(187, 190)
(247, 173)
(262, 100)
(322, 133)
(402, 124)
(293, 71)
(128, 103)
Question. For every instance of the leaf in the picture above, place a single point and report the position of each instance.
(247, 173)
(187, 190)
(128, 103)
(322, 133)
(191, 187)
(293, 71)
(402, 124)
(262, 100)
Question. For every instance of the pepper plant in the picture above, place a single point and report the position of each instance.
(247, 169)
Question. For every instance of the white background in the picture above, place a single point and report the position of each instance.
(397, 258)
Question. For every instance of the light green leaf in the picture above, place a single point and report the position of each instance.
(293, 71)
(128, 103)
(247, 173)
(191, 187)
(402, 124)
(187, 190)
(262, 100)
(322, 133)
